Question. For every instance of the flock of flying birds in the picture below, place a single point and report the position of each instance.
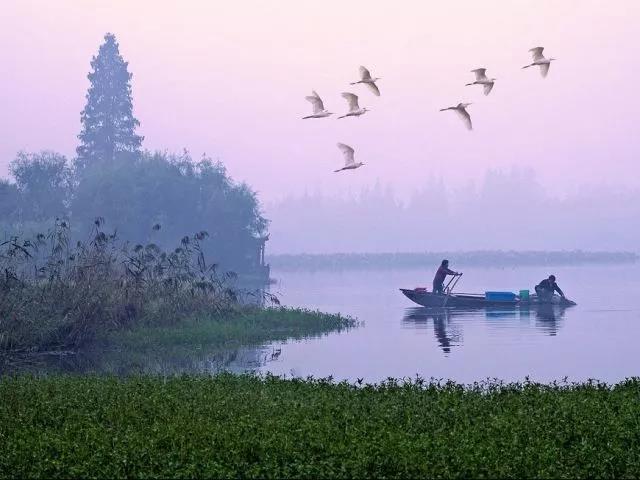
(366, 79)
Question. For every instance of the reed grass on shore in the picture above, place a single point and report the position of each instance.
(59, 295)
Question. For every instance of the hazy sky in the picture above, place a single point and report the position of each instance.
(229, 79)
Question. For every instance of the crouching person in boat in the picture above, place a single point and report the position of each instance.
(547, 287)
(441, 275)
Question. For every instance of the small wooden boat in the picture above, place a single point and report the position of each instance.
(475, 300)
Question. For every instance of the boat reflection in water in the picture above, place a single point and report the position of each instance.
(448, 323)
(548, 318)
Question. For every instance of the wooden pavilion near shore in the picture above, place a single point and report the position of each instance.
(260, 270)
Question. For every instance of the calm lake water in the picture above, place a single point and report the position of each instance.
(598, 338)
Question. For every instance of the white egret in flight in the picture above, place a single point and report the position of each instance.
(365, 77)
(481, 79)
(354, 108)
(540, 60)
(461, 110)
(318, 107)
(349, 161)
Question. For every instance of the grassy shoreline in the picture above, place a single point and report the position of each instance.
(199, 344)
(250, 326)
(244, 426)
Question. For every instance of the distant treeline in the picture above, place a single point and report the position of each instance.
(504, 209)
(487, 258)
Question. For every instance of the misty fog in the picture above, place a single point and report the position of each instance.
(504, 210)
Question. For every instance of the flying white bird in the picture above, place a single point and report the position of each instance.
(481, 79)
(461, 110)
(318, 107)
(349, 161)
(540, 60)
(365, 77)
(354, 108)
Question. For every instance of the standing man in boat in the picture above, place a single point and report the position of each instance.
(441, 275)
(546, 288)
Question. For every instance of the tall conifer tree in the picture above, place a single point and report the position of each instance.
(108, 124)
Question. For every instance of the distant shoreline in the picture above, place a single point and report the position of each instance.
(480, 258)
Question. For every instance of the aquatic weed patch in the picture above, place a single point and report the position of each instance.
(201, 344)
(208, 343)
(245, 426)
(247, 326)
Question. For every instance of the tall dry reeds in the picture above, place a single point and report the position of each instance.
(55, 294)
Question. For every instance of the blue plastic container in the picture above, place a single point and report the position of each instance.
(500, 296)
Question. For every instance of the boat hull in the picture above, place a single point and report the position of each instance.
(469, 300)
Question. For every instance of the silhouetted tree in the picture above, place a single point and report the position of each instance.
(108, 124)
(43, 181)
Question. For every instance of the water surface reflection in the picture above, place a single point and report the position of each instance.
(448, 323)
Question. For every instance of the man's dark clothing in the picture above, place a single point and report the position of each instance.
(547, 287)
(438, 280)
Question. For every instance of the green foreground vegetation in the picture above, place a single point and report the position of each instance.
(245, 426)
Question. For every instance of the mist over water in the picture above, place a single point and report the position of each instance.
(504, 210)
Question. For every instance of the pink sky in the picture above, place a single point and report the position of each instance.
(229, 79)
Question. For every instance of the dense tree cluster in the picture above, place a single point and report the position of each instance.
(145, 196)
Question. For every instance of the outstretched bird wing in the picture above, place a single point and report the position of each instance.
(480, 73)
(487, 88)
(348, 153)
(364, 73)
(544, 69)
(537, 53)
(464, 115)
(374, 88)
(352, 100)
(316, 101)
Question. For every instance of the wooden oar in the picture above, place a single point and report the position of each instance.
(449, 290)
